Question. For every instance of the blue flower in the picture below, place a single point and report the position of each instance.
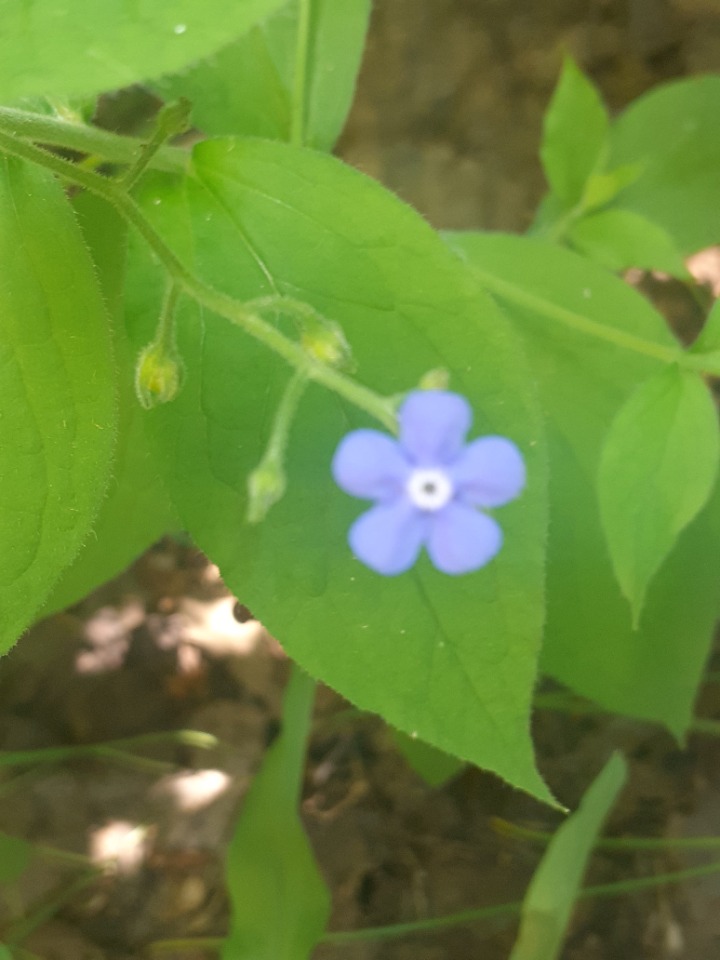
(427, 486)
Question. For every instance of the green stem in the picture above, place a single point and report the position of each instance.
(463, 918)
(299, 91)
(113, 748)
(509, 909)
(516, 832)
(165, 333)
(236, 312)
(61, 856)
(284, 417)
(23, 928)
(267, 482)
(576, 321)
(171, 120)
(74, 136)
(19, 953)
(185, 943)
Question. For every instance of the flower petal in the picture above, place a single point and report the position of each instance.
(388, 537)
(370, 464)
(462, 539)
(433, 424)
(489, 472)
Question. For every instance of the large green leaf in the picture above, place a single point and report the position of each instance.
(575, 129)
(450, 658)
(79, 47)
(555, 886)
(279, 902)
(559, 300)
(658, 468)
(57, 392)
(674, 133)
(247, 88)
(136, 511)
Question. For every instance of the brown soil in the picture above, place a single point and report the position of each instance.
(449, 115)
(165, 648)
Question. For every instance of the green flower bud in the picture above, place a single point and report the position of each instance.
(437, 379)
(158, 375)
(326, 343)
(266, 485)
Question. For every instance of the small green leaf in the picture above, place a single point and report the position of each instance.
(247, 88)
(57, 392)
(620, 239)
(80, 47)
(601, 188)
(658, 468)
(673, 132)
(554, 888)
(15, 855)
(433, 765)
(279, 902)
(708, 340)
(136, 510)
(575, 131)
(5, 953)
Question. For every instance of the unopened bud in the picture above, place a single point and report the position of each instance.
(158, 375)
(438, 379)
(326, 343)
(266, 485)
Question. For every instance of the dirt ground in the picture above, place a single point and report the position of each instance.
(448, 114)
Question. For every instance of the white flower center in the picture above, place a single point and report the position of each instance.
(429, 489)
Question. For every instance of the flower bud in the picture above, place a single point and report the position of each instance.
(158, 375)
(437, 379)
(266, 485)
(326, 343)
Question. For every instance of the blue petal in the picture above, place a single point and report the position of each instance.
(433, 424)
(462, 539)
(489, 472)
(388, 538)
(370, 464)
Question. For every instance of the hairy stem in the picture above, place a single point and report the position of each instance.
(363, 398)
(577, 321)
(56, 132)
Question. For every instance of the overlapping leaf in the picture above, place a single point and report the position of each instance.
(57, 392)
(247, 88)
(80, 47)
(433, 765)
(561, 303)
(658, 467)
(673, 133)
(452, 659)
(620, 239)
